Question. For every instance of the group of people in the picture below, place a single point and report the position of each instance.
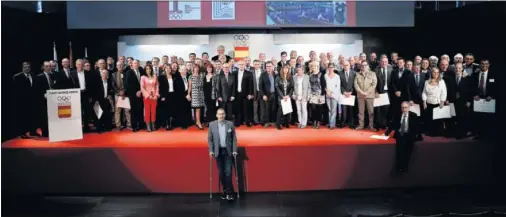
(177, 93)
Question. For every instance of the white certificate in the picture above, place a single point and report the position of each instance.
(415, 108)
(286, 105)
(452, 110)
(484, 106)
(441, 113)
(381, 137)
(122, 103)
(98, 110)
(350, 101)
(381, 100)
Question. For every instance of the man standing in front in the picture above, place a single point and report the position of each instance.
(223, 145)
(405, 125)
(365, 85)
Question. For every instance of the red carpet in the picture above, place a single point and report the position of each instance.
(269, 160)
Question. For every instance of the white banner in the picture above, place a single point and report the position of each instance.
(64, 115)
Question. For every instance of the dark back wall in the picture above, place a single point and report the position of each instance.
(29, 36)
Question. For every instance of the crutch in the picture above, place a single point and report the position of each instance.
(210, 177)
(236, 176)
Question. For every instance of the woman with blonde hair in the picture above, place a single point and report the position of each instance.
(317, 93)
(434, 95)
(284, 89)
(196, 94)
(149, 89)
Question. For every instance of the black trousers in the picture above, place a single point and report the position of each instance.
(403, 149)
(434, 127)
(348, 116)
(24, 116)
(283, 119)
(229, 109)
(317, 112)
(269, 108)
(136, 111)
(210, 110)
(381, 116)
(184, 116)
(225, 161)
(243, 107)
(459, 125)
(168, 109)
(87, 113)
(104, 122)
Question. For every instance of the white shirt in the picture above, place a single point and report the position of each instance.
(257, 75)
(299, 79)
(82, 83)
(333, 85)
(239, 81)
(386, 78)
(485, 76)
(48, 79)
(104, 84)
(406, 117)
(171, 85)
(434, 94)
(155, 69)
(67, 71)
(27, 75)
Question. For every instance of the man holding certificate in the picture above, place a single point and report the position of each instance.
(485, 90)
(365, 85)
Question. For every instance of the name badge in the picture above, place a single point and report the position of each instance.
(491, 80)
(229, 130)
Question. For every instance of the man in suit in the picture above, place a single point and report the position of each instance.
(221, 51)
(470, 67)
(347, 89)
(65, 79)
(283, 61)
(43, 82)
(226, 88)
(85, 81)
(417, 90)
(222, 142)
(23, 101)
(405, 125)
(261, 58)
(244, 95)
(402, 79)
(258, 111)
(267, 90)
(133, 91)
(103, 96)
(383, 74)
(461, 97)
(485, 88)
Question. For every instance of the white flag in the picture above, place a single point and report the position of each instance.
(55, 56)
(86, 52)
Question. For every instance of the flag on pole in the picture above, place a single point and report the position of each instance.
(55, 56)
(71, 58)
(86, 52)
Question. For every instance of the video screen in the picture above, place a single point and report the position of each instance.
(228, 13)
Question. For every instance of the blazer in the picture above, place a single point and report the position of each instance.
(460, 92)
(132, 83)
(213, 137)
(98, 93)
(280, 90)
(163, 86)
(226, 89)
(402, 84)
(348, 85)
(366, 84)
(118, 82)
(380, 87)
(490, 86)
(146, 89)
(62, 82)
(265, 85)
(23, 89)
(246, 83)
(413, 126)
(41, 85)
(305, 86)
(255, 91)
(417, 89)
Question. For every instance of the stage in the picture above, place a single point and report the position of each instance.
(269, 160)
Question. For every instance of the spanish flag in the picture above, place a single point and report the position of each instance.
(241, 52)
(64, 111)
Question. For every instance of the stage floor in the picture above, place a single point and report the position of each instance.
(269, 160)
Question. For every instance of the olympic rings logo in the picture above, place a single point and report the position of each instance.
(242, 38)
(63, 98)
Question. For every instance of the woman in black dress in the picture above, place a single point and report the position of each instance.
(209, 94)
(168, 98)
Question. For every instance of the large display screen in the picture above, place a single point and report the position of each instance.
(229, 13)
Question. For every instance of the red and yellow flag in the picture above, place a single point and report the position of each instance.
(240, 52)
(64, 111)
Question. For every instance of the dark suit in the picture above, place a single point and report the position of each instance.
(90, 79)
(404, 140)
(460, 95)
(41, 85)
(226, 88)
(382, 114)
(104, 98)
(257, 108)
(482, 120)
(64, 82)
(268, 90)
(281, 91)
(167, 107)
(184, 112)
(132, 86)
(402, 84)
(348, 114)
(24, 102)
(281, 64)
(416, 92)
(242, 103)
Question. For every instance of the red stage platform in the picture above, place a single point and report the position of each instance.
(269, 160)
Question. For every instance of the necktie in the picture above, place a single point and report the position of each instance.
(458, 80)
(417, 79)
(49, 82)
(403, 125)
(29, 77)
(137, 74)
(482, 83)
(347, 76)
(67, 73)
